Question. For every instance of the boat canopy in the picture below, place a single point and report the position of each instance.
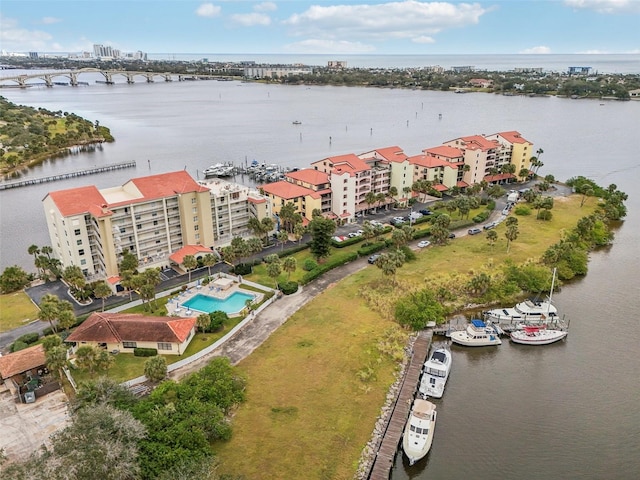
(478, 323)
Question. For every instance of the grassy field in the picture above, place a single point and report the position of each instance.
(16, 309)
(307, 414)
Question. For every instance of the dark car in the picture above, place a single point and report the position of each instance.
(489, 226)
(474, 231)
(426, 211)
(452, 235)
(372, 259)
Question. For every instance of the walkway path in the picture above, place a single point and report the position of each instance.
(269, 320)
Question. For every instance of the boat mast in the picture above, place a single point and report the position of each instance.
(553, 282)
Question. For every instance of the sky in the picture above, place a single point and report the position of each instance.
(412, 27)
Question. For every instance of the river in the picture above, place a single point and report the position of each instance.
(559, 411)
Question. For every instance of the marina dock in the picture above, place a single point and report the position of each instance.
(392, 435)
(63, 176)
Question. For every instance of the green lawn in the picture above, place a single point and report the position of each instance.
(305, 402)
(16, 309)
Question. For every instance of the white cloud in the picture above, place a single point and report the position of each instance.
(14, 38)
(423, 39)
(265, 7)
(208, 10)
(536, 50)
(406, 19)
(251, 19)
(594, 52)
(606, 6)
(50, 20)
(328, 46)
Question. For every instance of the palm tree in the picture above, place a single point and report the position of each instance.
(202, 321)
(283, 237)
(370, 198)
(35, 251)
(289, 265)
(49, 310)
(392, 193)
(511, 234)
(209, 260)
(102, 291)
(189, 262)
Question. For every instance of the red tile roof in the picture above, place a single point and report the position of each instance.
(512, 137)
(21, 361)
(288, 190)
(310, 176)
(105, 327)
(178, 255)
(429, 162)
(475, 142)
(462, 184)
(167, 184)
(498, 177)
(75, 201)
(256, 200)
(440, 187)
(392, 154)
(444, 151)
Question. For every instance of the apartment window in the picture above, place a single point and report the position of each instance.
(78, 242)
(157, 241)
(122, 229)
(344, 196)
(139, 226)
(195, 219)
(154, 214)
(131, 239)
(137, 217)
(129, 345)
(195, 210)
(197, 236)
(83, 262)
(193, 201)
(345, 189)
(81, 251)
(126, 209)
(196, 228)
(77, 231)
(344, 181)
(155, 222)
(164, 346)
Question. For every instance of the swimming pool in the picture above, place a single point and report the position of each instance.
(234, 303)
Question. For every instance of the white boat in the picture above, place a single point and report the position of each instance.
(435, 374)
(527, 312)
(477, 334)
(218, 170)
(537, 335)
(418, 433)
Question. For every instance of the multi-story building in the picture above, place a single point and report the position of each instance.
(480, 154)
(153, 217)
(275, 71)
(515, 150)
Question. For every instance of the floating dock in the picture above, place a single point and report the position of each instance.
(63, 176)
(388, 447)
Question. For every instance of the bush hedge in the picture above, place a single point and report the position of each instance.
(346, 242)
(243, 269)
(288, 287)
(145, 352)
(18, 345)
(292, 250)
(482, 216)
(29, 338)
(370, 248)
(309, 264)
(315, 273)
(421, 233)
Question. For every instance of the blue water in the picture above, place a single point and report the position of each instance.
(232, 304)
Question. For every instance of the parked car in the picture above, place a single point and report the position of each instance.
(491, 225)
(353, 235)
(474, 231)
(426, 211)
(424, 243)
(415, 215)
(372, 259)
(376, 223)
(452, 235)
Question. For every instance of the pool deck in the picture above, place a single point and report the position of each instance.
(175, 304)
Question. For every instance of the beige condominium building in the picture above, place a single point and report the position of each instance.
(153, 217)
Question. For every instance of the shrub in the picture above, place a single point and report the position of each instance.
(290, 251)
(481, 217)
(145, 352)
(331, 264)
(409, 255)
(243, 269)
(545, 215)
(367, 250)
(491, 204)
(155, 369)
(18, 345)
(47, 331)
(309, 264)
(522, 210)
(217, 320)
(29, 338)
(288, 287)
(421, 233)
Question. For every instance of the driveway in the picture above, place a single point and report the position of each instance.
(27, 426)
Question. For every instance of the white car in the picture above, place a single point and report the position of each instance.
(424, 243)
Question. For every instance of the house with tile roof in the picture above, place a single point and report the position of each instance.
(22, 361)
(123, 332)
(442, 174)
(480, 154)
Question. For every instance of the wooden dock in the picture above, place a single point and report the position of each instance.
(63, 176)
(381, 468)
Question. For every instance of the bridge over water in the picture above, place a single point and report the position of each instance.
(49, 78)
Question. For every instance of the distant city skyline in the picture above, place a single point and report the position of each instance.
(323, 26)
